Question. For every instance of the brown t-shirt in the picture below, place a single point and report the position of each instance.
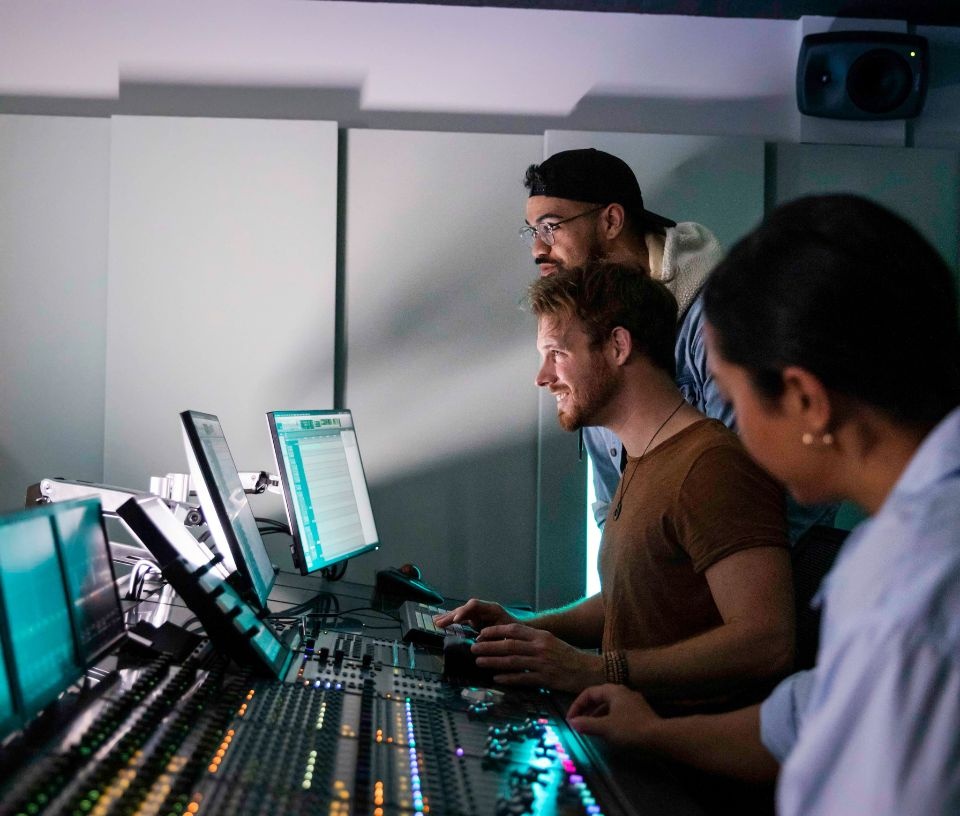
(694, 499)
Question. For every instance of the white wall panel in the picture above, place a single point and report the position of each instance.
(222, 270)
(53, 251)
(923, 185)
(441, 360)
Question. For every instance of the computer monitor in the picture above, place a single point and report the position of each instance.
(324, 489)
(90, 580)
(37, 620)
(194, 572)
(225, 506)
(9, 720)
(59, 606)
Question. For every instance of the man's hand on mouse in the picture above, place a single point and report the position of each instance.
(522, 655)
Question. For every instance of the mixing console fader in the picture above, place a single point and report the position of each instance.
(359, 726)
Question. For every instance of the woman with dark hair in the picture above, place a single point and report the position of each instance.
(833, 328)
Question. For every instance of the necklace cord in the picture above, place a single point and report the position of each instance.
(636, 466)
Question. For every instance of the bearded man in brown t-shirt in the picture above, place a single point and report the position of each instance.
(696, 605)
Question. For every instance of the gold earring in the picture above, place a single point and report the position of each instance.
(826, 439)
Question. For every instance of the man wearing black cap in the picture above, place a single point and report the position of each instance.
(585, 205)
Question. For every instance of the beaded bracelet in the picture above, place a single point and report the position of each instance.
(615, 667)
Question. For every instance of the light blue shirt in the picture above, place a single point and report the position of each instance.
(782, 712)
(875, 727)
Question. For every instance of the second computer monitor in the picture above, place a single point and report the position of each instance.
(225, 505)
(324, 488)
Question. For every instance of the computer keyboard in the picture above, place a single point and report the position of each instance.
(417, 626)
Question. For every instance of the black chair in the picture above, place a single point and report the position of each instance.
(812, 558)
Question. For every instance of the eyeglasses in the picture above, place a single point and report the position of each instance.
(544, 231)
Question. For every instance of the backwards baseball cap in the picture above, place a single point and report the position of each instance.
(595, 177)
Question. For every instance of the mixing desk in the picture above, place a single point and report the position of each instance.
(359, 725)
(293, 708)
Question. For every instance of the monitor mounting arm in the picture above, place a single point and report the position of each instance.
(111, 497)
(54, 490)
(178, 487)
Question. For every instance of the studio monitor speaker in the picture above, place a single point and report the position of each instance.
(862, 75)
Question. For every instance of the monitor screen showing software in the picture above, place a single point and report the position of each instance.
(59, 607)
(225, 506)
(91, 583)
(36, 610)
(8, 714)
(324, 488)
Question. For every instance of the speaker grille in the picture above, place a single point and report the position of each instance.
(879, 81)
(862, 75)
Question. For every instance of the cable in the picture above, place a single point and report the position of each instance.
(322, 597)
(387, 614)
(354, 611)
(301, 613)
(141, 571)
(336, 572)
(275, 523)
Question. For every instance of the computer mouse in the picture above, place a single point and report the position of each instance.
(460, 663)
(394, 584)
(411, 571)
